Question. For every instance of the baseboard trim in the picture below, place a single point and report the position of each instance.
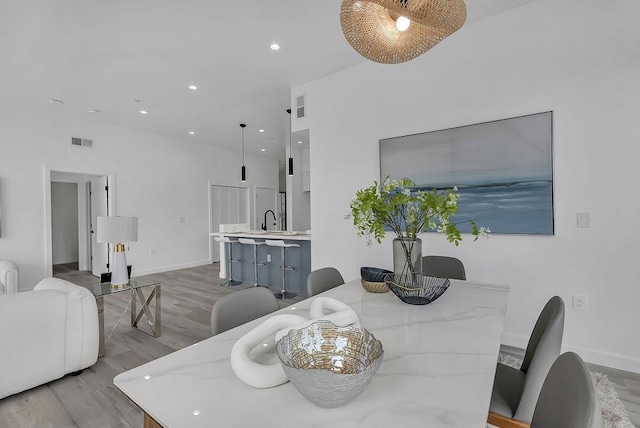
(593, 356)
(170, 268)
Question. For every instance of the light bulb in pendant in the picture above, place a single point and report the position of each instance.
(402, 23)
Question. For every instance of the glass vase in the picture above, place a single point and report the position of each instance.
(407, 256)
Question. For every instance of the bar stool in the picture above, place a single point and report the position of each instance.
(229, 250)
(250, 241)
(283, 294)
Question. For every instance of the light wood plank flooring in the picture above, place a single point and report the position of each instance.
(91, 400)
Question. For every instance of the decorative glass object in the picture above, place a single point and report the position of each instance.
(407, 256)
(330, 365)
(418, 288)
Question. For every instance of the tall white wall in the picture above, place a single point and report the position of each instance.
(577, 58)
(157, 179)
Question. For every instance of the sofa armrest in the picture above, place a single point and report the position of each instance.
(8, 277)
(81, 325)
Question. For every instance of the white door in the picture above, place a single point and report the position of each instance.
(98, 203)
(266, 201)
(228, 205)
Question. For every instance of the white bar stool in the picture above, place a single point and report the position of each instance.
(250, 241)
(229, 250)
(283, 294)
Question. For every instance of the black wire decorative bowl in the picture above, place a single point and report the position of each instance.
(417, 288)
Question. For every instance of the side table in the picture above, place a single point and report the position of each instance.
(154, 320)
(135, 287)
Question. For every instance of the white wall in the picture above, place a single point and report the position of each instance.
(577, 58)
(298, 201)
(64, 222)
(157, 179)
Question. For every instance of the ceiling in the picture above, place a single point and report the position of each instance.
(104, 55)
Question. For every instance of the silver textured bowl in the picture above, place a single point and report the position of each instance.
(330, 365)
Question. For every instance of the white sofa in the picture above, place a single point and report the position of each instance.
(8, 277)
(46, 333)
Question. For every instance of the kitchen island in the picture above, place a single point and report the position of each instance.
(269, 274)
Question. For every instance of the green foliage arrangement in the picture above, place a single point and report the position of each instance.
(394, 204)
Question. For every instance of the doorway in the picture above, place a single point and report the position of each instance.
(74, 199)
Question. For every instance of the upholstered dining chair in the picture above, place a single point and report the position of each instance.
(515, 391)
(322, 280)
(568, 398)
(443, 267)
(241, 307)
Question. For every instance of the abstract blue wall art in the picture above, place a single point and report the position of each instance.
(503, 170)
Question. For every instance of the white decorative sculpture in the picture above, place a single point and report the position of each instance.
(270, 375)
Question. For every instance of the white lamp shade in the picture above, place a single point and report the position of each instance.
(117, 230)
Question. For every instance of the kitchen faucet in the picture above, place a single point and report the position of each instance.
(264, 225)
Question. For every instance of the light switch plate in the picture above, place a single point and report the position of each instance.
(584, 219)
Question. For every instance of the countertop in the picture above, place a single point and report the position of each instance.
(259, 234)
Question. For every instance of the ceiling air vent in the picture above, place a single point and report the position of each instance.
(81, 142)
(300, 107)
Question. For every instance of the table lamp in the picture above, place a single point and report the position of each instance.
(117, 231)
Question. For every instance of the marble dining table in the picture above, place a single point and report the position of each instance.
(437, 371)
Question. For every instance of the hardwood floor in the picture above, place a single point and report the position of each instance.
(91, 400)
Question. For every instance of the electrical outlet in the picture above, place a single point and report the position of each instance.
(579, 303)
(268, 258)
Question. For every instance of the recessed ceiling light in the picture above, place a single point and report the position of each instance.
(93, 111)
(260, 130)
(274, 46)
(192, 133)
(263, 150)
(193, 87)
(143, 112)
(56, 102)
(299, 142)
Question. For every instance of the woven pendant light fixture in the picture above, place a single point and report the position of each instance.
(374, 29)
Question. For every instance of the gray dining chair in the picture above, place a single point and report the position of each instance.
(568, 398)
(515, 391)
(241, 307)
(322, 280)
(443, 267)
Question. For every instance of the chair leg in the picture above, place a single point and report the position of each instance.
(230, 281)
(284, 294)
(505, 422)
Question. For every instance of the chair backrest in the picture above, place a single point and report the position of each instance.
(240, 307)
(322, 280)
(443, 267)
(8, 277)
(568, 398)
(543, 349)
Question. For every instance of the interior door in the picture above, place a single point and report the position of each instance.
(266, 200)
(98, 207)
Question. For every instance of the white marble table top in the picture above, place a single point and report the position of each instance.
(438, 368)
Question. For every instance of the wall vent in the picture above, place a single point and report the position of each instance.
(300, 107)
(81, 142)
